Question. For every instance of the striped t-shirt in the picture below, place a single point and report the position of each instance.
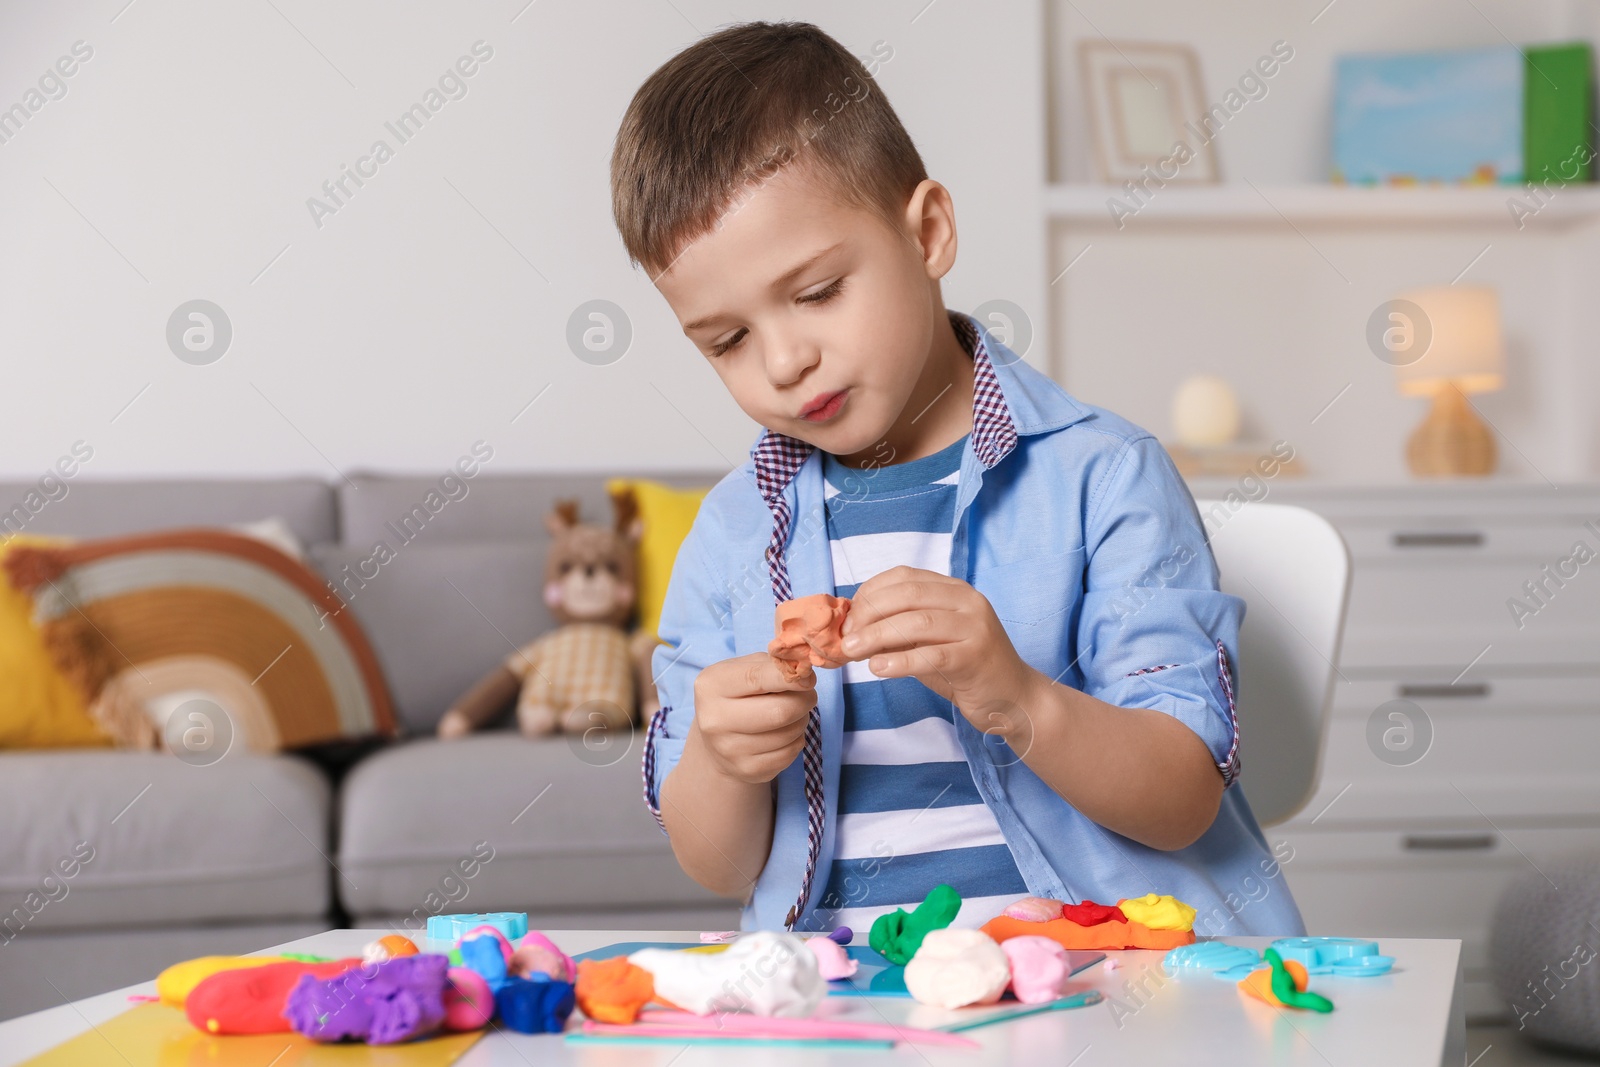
(910, 816)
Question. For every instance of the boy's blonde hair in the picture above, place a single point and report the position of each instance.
(721, 117)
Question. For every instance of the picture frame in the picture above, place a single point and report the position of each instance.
(1143, 99)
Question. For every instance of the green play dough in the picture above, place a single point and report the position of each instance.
(897, 935)
(1283, 986)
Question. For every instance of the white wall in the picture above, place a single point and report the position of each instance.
(1282, 312)
(432, 307)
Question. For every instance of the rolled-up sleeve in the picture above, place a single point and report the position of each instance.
(1155, 630)
(697, 626)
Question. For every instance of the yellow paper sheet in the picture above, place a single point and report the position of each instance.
(155, 1035)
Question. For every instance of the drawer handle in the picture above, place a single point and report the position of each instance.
(1448, 842)
(1433, 691)
(1440, 539)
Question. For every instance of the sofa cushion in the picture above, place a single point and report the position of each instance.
(81, 508)
(540, 824)
(101, 838)
(440, 616)
(487, 507)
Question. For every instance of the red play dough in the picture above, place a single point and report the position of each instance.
(1110, 934)
(250, 1000)
(1091, 914)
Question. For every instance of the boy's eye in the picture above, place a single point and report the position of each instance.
(717, 350)
(821, 296)
(825, 294)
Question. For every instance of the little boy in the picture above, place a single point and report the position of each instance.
(1040, 699)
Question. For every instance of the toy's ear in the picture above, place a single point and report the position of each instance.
(563, 518)
(635, 531)
(624, 595)
(552, 594)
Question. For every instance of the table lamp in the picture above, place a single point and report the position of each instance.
(1465, 354)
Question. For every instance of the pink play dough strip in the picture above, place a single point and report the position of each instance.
(661, 1023)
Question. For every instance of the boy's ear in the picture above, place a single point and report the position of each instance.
(931, 223)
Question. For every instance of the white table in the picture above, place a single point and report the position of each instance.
(1413, 1015)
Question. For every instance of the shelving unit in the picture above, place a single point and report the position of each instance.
(1242, 202)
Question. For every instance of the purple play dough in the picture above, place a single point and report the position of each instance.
(380, 1003)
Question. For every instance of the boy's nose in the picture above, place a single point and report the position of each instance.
(788, 359)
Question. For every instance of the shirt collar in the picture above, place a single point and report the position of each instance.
(1009, 398)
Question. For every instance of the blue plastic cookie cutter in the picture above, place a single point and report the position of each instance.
(513, 924)
(1352, 957)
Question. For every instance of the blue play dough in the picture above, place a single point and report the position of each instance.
(1211, 956)
(482, 954)
(1349, 957)
(532, 1006)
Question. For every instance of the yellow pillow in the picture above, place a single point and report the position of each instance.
(39, 708)
(667, 513)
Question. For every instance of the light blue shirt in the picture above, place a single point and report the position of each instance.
(1078, 529)
(909, 814)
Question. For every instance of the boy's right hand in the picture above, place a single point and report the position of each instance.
(750, 718)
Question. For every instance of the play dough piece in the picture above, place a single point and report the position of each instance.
(1034, 909)
(613, 990)
(808, 633)
(250, 1000)
(379, 1003)
(486, 951)
(1111, 934)
(1284, 985)
(955, 968)
(1210, 956)
(1039, 968)
(174, 983)
(534, 1006)
(897, 935)
(1091, 914)
(468, 1001)
(1158, 912)
(536, 953)
(388, 947)
(763, 973)
(833, 962)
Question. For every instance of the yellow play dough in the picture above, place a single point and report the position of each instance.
(1158, 913)
(175, 983)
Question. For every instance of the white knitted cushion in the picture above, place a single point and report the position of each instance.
(1544, 951)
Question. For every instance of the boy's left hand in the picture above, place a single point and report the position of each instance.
(911, 622)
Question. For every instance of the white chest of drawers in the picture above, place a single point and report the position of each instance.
(1419, 821)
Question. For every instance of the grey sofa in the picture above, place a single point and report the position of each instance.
(170, 861)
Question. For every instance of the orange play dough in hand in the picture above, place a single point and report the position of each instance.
(809, 632)
(1112, 934)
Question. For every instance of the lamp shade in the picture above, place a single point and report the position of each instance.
(1464, 345)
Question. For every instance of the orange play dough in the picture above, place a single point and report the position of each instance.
(1107, 935)
(613, 990)
(1258, 984)
(809, 631)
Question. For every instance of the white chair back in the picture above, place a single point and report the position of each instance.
(1292, 569)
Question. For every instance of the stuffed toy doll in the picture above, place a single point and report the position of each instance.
(590, 671)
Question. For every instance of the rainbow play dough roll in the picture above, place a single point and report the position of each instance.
(174, 984)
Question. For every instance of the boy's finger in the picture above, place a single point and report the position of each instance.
(911, 588)
(764, 675)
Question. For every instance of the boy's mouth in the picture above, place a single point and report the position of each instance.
(824, 406)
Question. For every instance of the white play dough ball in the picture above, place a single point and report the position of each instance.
(955, 968)
(1205, 411)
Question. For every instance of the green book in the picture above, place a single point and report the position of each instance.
(1557, 142)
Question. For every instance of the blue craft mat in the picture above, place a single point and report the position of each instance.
(875, 976)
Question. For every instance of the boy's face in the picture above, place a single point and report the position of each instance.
(797, 298)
